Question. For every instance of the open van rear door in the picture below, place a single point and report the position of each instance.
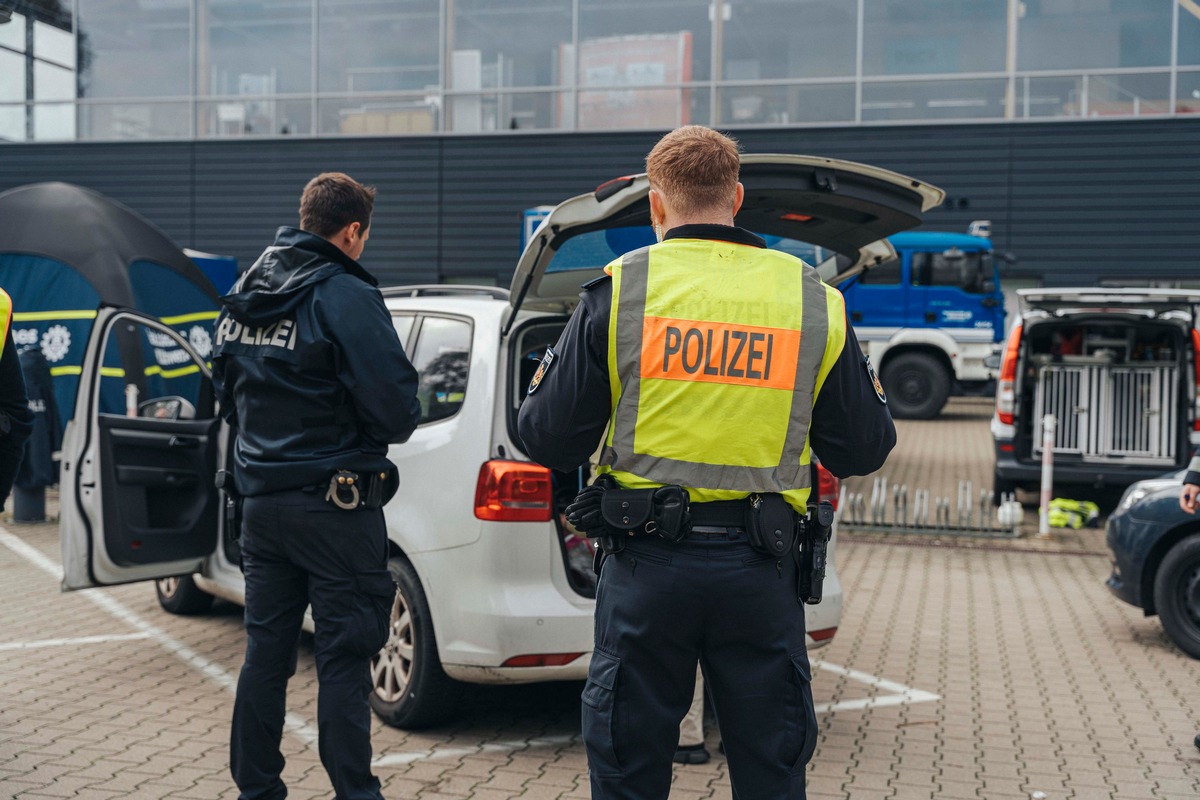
(137, 495)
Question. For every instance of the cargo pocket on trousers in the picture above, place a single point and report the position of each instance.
(599, 705)
(374, 618)
(808, 718)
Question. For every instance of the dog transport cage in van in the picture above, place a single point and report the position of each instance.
(1116, 368)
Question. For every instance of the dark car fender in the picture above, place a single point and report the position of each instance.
(1140, 538)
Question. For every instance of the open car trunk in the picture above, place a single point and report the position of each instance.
(1118, 385)
(526, 346)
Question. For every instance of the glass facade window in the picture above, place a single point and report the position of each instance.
(234, 68)
(1082, 34)
(786, 105)
(934, 100)
(774, 39)
(901, 37)
(118, 39)
(378, 115)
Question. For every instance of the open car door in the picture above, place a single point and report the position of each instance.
(139, 455)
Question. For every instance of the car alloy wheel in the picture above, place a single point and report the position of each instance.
(410, 690)
(391, 667)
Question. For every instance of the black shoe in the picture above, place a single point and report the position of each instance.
(1196, 741)
(691, 754)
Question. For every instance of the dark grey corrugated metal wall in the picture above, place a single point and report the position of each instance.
(1074, 200)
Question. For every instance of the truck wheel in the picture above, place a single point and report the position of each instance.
(410, 690)
(181, 595)
(917, 386)
(1177, 594)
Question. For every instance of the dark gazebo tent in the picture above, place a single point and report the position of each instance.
(64, 251)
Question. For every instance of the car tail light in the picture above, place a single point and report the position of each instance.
(823, 635)
(828, 487)
(1196, 378)
(513, 491)
(541, 660)
(1006, 386)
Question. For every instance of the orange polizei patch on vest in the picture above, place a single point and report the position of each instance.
(718, 352)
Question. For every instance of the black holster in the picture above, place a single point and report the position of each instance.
(231, 504)
(771, 524)
(662, 511)
(815, 530)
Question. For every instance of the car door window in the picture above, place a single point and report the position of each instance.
(953, 268)
(441, 357)
(147, 373)
(403, 323)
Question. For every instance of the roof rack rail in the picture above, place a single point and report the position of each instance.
(446, 289)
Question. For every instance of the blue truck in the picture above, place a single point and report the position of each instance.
(928, 318)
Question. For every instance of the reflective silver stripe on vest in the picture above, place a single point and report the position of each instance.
(788, 473)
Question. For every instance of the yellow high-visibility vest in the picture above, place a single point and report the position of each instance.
(716, 354)
(5, 318)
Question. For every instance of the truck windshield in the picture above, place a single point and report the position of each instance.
(966, 271)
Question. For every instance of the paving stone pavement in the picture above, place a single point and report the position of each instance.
(959, 671)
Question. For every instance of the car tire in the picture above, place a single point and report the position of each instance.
(1177, 594)
(409, 689)
(181, 595)
(917, 386)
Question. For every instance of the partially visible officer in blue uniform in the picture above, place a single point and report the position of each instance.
(1190, 492)
(312, 375)
(16, 420)
(713, 575)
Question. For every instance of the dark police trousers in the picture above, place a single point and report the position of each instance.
(659, 608)
(299, 549)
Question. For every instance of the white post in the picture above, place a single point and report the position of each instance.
(1049, 425)
(131, 400)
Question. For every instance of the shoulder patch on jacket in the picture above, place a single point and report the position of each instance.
(594, 282)
(547, 360)
(875, 380)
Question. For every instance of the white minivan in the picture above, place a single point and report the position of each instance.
(493, 586)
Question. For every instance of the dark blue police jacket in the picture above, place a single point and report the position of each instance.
(308, 367)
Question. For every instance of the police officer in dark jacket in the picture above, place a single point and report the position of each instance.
(715, 365)
(312, 375)
(16, 420)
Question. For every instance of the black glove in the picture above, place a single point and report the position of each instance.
(584, 511)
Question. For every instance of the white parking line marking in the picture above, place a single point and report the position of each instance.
(398, 759)
(294, 724)
(79, 640)
(901, 694)
(308, 735)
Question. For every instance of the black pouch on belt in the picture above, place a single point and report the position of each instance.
(662, 511)
(771, 524)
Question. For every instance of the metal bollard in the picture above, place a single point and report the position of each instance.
(1049, 426)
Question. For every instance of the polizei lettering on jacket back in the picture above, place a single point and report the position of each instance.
(717, 352)
(281, 333)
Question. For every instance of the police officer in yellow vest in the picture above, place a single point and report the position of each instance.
(715, 364)
(16, 420)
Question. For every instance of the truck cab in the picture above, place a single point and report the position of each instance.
(929, 318)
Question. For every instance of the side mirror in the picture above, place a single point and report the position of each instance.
(167, 408)
(1008, 258)
(992, 361)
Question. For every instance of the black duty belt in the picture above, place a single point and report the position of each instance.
(720, 513)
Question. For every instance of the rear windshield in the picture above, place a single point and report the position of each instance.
(592, 250)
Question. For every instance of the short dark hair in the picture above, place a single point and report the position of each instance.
(333, 200)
